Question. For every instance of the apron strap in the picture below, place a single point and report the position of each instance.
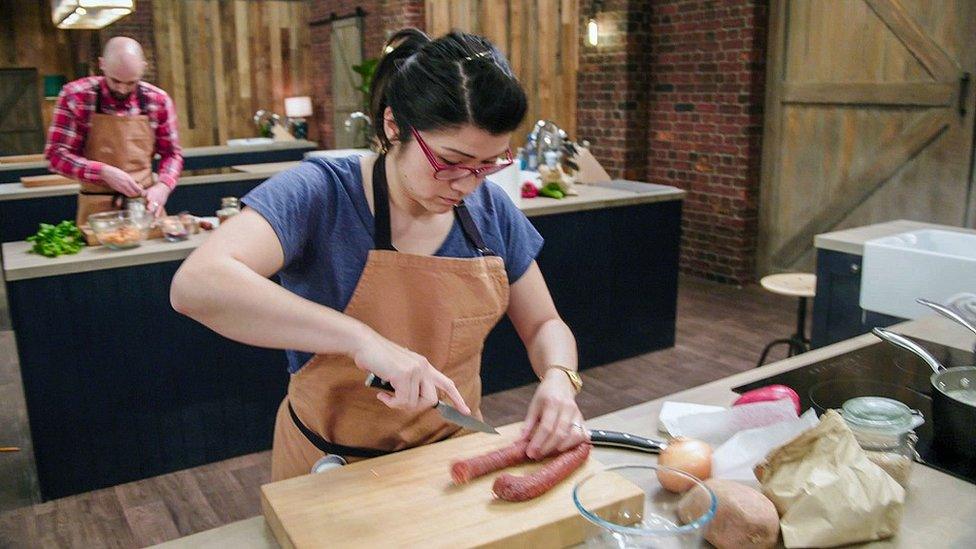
(98, 98)
(329, 447)
(382, 233)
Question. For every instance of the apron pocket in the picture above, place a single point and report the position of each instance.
(468, 337)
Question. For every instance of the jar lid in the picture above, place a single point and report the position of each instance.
(878, 414)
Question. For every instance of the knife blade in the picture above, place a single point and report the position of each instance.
(448, 412)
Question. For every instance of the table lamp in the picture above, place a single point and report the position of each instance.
(296, 109)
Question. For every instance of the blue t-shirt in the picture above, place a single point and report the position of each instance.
(319, 212)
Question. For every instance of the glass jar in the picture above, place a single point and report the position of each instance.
(229, 207)
(884, 428)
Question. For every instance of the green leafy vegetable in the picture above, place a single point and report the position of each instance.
(55, 240)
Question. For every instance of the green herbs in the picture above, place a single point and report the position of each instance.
(55, 240)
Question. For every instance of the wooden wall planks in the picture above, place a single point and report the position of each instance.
(541, 40)
(222, 60)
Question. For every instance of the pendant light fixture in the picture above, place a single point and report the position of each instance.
(89, 14)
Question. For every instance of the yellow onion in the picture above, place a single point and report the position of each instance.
(685, 454)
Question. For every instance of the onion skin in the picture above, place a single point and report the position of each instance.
(688, 455)
(769, 393)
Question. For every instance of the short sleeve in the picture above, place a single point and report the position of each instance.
(294, 202)
(521, 241)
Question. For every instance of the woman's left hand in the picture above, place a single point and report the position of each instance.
(554, 422)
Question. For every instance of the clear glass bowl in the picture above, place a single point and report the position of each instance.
(656, 525)
(122, 229)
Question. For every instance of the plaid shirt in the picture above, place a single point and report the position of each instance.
(71, 122)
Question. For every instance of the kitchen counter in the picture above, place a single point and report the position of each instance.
(20, 265)
(193, 158)
(938, 510)
(851, 241)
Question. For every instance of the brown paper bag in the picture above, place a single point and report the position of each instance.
(827, 491)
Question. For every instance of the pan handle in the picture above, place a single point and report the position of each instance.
(909, 345)
(947, 312)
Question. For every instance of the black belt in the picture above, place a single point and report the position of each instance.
(330, 447)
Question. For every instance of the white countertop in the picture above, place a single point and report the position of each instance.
(17, 191)
(938, 509)
(18, 264)
(851, 241)
(192, 152)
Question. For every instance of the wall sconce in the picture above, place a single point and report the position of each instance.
(592, 28)
(297, 109)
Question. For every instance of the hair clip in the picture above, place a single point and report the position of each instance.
(485, 53)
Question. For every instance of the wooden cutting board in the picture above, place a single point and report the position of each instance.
(408, 499)
(45, 180)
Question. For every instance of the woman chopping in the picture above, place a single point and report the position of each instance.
(397, 264)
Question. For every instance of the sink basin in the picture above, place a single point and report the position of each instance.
(249, 141)
(928, 263)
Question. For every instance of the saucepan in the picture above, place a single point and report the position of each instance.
(953, 399)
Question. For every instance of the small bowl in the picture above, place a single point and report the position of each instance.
(173, 228)
(119, 230)
(655, 524)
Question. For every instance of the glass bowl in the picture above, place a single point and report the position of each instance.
(122, 229)
(656, 525)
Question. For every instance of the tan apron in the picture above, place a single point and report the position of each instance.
(441, 308)
(126, 142)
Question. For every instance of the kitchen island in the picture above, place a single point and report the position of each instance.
(938, 508)
(23, 208)
(120, 387)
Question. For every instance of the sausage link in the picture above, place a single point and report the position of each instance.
(511, 487)
(467, 469)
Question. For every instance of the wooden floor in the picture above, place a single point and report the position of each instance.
(721, 331)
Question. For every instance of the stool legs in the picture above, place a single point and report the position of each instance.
(798, 342)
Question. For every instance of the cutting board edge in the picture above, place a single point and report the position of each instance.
(274, 522)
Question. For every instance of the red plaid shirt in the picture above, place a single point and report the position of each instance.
(71, 122)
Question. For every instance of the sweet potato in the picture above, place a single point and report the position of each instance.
(744, 517)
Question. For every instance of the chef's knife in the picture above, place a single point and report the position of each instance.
(448, 412)
(627, 441)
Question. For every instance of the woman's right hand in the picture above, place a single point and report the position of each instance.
(415, 380)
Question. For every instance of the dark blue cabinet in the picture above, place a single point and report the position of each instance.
(837, 313)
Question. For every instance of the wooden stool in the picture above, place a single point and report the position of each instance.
(803, 286)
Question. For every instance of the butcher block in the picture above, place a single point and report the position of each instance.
(408, 499)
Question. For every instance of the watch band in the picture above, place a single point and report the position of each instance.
(573, 375)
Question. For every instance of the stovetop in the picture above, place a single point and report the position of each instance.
(884, 370)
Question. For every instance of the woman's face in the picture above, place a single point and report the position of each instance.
(467, 145)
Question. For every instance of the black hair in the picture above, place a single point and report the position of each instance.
(454, 80)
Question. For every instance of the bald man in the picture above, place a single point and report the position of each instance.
(106, 130)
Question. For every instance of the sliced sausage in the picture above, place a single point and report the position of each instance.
(467, 469)
(511, 487)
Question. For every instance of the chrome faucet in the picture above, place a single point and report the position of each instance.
(353, 117)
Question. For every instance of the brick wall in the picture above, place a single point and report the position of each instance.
(612, 87)
(382, 18)
(677, 86)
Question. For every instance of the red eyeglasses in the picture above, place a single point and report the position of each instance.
(450, 172)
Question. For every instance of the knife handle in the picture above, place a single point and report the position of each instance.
(599, 437)
(372, 380)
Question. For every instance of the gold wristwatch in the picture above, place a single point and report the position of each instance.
(573, 375)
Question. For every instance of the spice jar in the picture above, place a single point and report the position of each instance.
(884, 428)
(229, 207)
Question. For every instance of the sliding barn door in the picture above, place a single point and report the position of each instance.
(869, 118)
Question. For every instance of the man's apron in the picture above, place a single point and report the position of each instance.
(441, 308)
(126, 142)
